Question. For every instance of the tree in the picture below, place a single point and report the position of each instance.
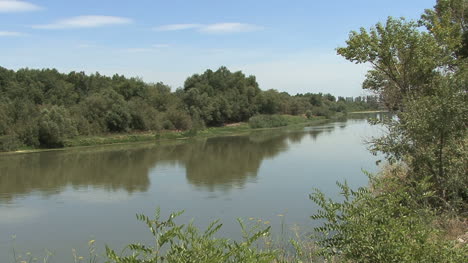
(403, 59)
(107, 110)
(447, 22)
(55, 126)
(422, 77)
(221, 96)
(269, 102)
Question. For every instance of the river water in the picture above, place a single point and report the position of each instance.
(59, 200)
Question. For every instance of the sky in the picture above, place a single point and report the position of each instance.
(288, 45)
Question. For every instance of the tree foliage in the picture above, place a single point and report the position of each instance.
(44, 108)
(55, 125)
(186, 243)
(422, 76)
(386, 226)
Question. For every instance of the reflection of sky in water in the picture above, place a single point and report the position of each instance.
(60, 200)
(15, 215)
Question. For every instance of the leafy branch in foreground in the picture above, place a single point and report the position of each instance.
(185, 243)
(382, 226)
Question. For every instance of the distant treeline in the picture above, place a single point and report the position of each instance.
(43, 108)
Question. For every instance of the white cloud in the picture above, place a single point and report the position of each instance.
(138, 50)
(85, 45)
(308, 72)
(211, 28)
(153, 48)
(13, 6)
(229, 28)
(161, 46)
(177, 27)
(86, 22)
(11, 34)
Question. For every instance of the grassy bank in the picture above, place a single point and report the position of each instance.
(229, 129)
(368, 111)
(287, 121)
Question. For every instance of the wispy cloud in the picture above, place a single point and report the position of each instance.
(177, 27)
(217, 28)
(85, 45)
(229, 28)
(11, 34)
(153, 48)
(160, 45)
(13, 6)
(85, 22)
(138, 50)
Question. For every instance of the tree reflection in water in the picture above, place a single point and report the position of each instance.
(211, 164)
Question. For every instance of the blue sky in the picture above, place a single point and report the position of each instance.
(288, 45)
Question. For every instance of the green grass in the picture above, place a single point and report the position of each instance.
(292, 122)
(272, 121)
(228, 130)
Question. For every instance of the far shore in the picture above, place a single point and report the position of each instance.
(370, 111)
(231, 129)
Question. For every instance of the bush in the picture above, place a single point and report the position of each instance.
(143, 116)
(321, 111)
(167, 125)
(55, 126)
(28, 132)
(179, 119)
(117, 119)
(9, 143)
(388, 226)
(5, 121)
(179, 243)
(267, 121)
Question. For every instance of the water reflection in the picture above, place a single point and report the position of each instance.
(211, 164)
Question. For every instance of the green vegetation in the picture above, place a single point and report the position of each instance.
(163, 135)
(180, 243)
(389, 222)
(48, 109)
(421, 76)
(271, 121)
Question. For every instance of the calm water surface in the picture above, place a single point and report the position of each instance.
(60, 200)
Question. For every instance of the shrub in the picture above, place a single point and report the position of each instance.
(267, 121)
(167, 125)
(117, 119)
(184, 243)
(179, 119)
(9, 143)
(388, 226)
(28, 132)
(55, 126)
(321, 111)
(143, 116)
(5, 121)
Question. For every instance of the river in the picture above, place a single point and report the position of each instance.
(59, 200)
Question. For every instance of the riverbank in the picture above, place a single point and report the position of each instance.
(171, 135)
(369, 111)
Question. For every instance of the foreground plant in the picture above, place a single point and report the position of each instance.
(185, 243)
(388, 224)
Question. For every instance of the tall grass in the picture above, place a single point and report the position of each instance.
(272, 121)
